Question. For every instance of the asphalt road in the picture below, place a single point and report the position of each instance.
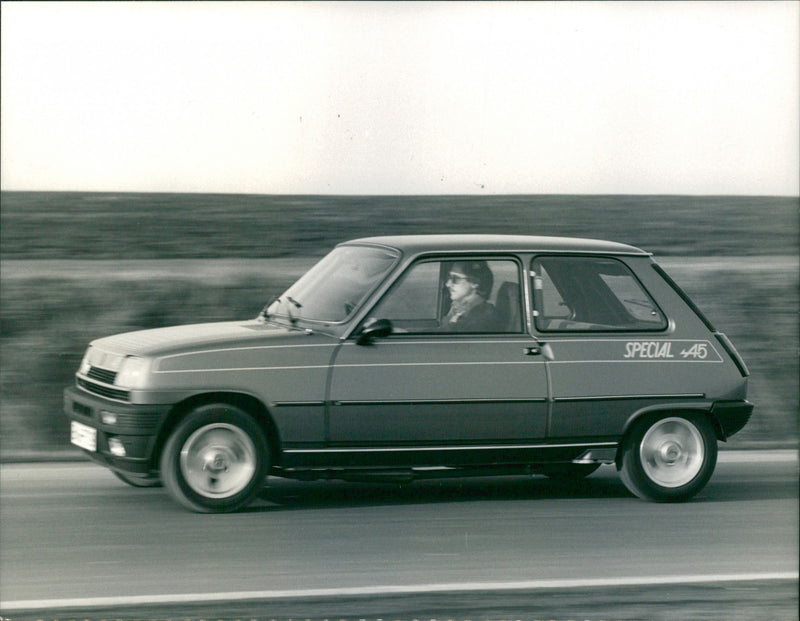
(74, 539)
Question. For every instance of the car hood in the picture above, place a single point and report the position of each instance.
(197, 337)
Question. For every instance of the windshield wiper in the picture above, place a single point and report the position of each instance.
(265, 316)
(296, 304)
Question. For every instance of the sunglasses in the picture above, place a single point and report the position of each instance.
(456, 278)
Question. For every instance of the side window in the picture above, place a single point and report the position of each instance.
(412, 305)
(591, 294)
(472, 295)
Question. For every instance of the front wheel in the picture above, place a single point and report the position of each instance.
(669, 459)
(216, 459)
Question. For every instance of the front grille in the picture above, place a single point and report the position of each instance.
(137, 422)
(104, 391)
(102, 375)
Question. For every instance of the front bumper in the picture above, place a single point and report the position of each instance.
(135, 429)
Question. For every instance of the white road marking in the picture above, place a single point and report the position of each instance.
(387, 590)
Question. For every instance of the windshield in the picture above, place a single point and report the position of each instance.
(335, 286)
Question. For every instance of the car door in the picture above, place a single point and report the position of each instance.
(428, 384)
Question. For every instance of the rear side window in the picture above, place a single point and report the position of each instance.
(594, 294)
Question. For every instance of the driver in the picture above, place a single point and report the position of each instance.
(469, 284)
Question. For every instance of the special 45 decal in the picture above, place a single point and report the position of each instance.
(671, 350)
(698, 350)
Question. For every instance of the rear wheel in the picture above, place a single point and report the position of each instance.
(670, 458)
(216, 459)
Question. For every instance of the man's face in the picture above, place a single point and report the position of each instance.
(458, 286)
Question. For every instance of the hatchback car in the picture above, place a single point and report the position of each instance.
(424, 356)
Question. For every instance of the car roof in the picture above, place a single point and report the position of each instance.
(416, 244)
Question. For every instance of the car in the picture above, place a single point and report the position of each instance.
(404, 357)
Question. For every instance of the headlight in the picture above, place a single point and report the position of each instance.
(131, 372)
(85, 364)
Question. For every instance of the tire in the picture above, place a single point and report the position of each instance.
(669, 458)
(138, 481)
(216, 459)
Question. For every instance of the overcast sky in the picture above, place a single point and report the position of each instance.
(402, 98)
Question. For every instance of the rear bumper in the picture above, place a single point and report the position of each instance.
(135, 429)
(732, 416)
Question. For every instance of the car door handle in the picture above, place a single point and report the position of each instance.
(542, 349)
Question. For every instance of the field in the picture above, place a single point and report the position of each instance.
(172, 226)
(76, 266)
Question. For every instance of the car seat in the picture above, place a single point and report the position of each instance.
(507, 308)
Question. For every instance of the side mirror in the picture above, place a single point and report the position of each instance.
(374, 329)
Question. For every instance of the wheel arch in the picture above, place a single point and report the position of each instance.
(250, 404)
(657, 411)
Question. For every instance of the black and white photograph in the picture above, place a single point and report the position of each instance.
(399, 311)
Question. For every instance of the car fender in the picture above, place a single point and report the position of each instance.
(247, 401)
(653, 411)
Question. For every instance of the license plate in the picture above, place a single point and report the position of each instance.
(83, 436)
